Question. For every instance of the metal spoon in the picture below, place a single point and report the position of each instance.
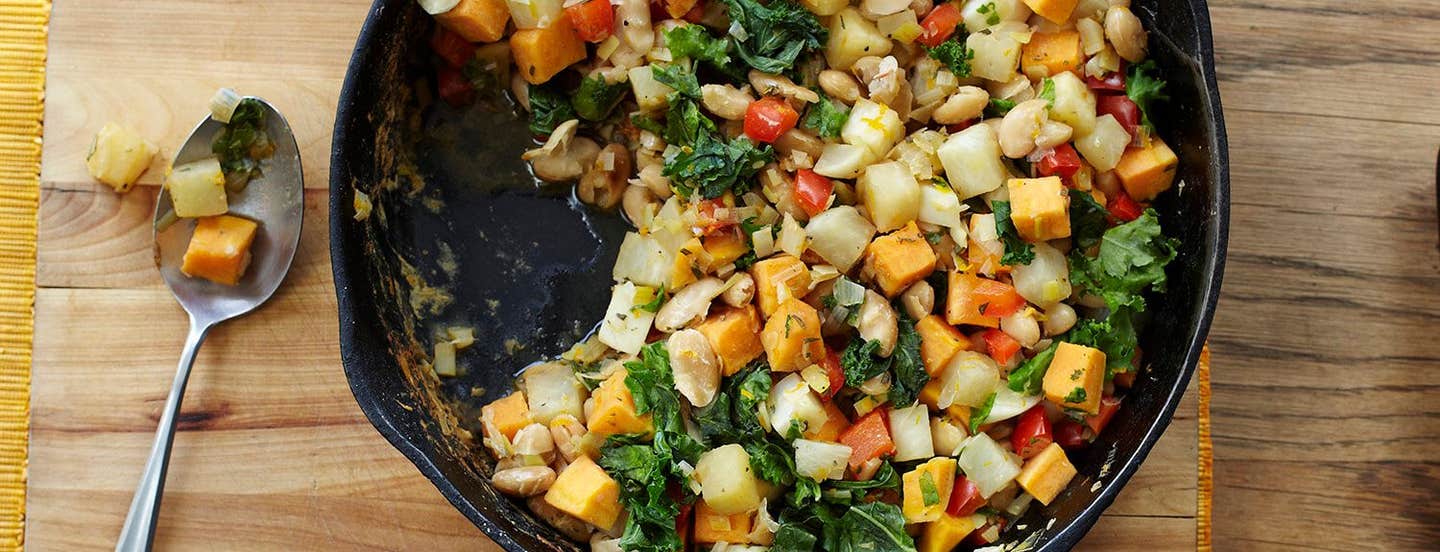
(276, 201)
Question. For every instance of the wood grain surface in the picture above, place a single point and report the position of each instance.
(1325, 381)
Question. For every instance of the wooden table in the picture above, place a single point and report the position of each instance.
(1324, 351)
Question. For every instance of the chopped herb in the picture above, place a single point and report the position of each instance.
(826, 117)
(954, 54)
(992, 16)
(1047, 91)
(979, 415)
(999, 107)
(596, 98)
(1144, 88)
(654, 304)
(1017, 250)
(928, 492)
(1076, 395)
(775, 33)
(548, 108)
(242, 144)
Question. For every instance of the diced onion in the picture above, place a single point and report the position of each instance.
(819, 460)
(224, 102)
(445, 358)
(764, 242)
(462, 337)
(910, 428)
(987, 465)
(969, 379)
(848, 293)
(792, 237)
(839, 235)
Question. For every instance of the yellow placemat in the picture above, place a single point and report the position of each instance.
(22, 103)
(1205, 484)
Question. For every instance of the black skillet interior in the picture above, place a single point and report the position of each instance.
(460, 235)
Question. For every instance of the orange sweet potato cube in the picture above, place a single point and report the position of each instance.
(508, 414)
(1076, 377)
(1051, 54)
(1147, 171)
(1057, 11)
(930, 396)
(712, 527)
(219, 249)
(938, 342)
(778, 279)
(543, 53)
(585, 491)
(962, 305)
(792, 337)
(899, 259)
(734, 334)
(835, 422)
(723, 248)
(614, 411)
(477, 20)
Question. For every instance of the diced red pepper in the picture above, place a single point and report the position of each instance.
(1063, 161)
(812, 191)
(868, 438)
(1070, 434)
(715, 216)
(1032, 432)
(988, 533)
(835, 372)
(1000, 345)
(455, 89)
(1109, 405)
(593, 20)
(1125, 111)
(997, 298)
(767, 118)
(957, 127)
(1111, 83)
(1123, 207)
(939, 24)
(453, 48)
(696, 13)
(965, 499)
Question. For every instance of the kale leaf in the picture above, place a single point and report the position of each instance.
(908, 370)
(1088, 219)
(712, 166)
(695, 42)
(241, 145)
(548, 108)
(1029, 377)
(860, 363)
(678, 77)
(998, 107)
(1144, 88)
(775, 33)
(954, 54)
(793, 538)
(826, 117)
(1017, 250)
(1132, 258)
(873, 526)
(596, 98)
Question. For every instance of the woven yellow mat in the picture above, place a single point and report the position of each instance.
(1205, 483)
(22, 103)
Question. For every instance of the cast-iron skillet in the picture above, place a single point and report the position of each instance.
(457, 213)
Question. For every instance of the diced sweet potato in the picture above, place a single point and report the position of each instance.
(477, 20)
(1057, 11)
(1075, 377)
(712, 527)
(219, 249)
(1147, 171)
(543, 53)
(926, 490)
(1046, 474)
(688, 262)
(1051, 54)
(792, 337)
(961, 305)
(778, 279)
(944, 534)
(835, 423)
(118, 156)
(899, 259)
(614, 409)
(1040, 208)
(930, 396)
(938, 342)
(508, 414)
(723, 248)
(585, 491)
(734, 334)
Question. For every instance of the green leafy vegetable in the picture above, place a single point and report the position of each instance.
(1088, 219)
(1029, 377)
(860, 363)
(954, 54)
(678, 77)
(873, 527)
(654, 304)
(928, 493)
(775, 33)
(1017, 250)
(596, 98)
(1115, 336)
(1047, 91)
(908, 370)
(826, 117)
(695, 42)
(999, 107)
(979, 415)
(242, 144)
(646, 123)
(1132, 258)
(548, 108)
(793, 538)
(712, 166)
(1145, 88)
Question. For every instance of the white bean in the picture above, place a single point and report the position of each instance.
(878, 322)
(524, 482)
(535, 440)
(1059, 318)
(697, 371)
(567, 432)
(839, 85)
(725, 101)
(766, 84)
(688, 305)
(567, 524)
(1053, 133)
(966, 103)
(1126, 33)
(741, 292)
(919, 300)
(1020, 126)
(1022, 327)
(636, 199)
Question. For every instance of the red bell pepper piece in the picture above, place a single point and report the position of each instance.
(453, 48)
(1032, 432)
(965, 499)
(1109, 405)
(1000, 345)
(868, 438)
(939, 24)
(1111, 83)
(1070, 434)
(767, 118)
(1125, 111)
(1123, 207)
(593, 20)
(1063, 161)
(812, 191)
(455, 89)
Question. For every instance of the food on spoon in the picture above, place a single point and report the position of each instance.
(197, 189)
(219, 249)
(118, 156)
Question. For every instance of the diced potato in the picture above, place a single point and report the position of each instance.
(219, 249)
(508, 414)
(926, 490)
(614, 409)
(820, 460)
(959, 302)
(552, 389)
(713, 527)
(825, 7)
(1075, 377)
(585, 491)
(1074, 103)
(642, 259)
(792, 337)
(1104, 145)
(1057, 11)
(938, 342)
(197, 189)
(734, 335)
(1051, 54)
(728, 484)
(899, 259)
(874, 126)
(910, 428)
(890, 194)
(1046, 474)
(778, 279)
(649, 93)
(722, 249)
(972, 161)
(839, 235)
(476, 20)
(946, 533)
(997, 55)
(1004, 10)
(535, 14)
(625, 325)
(843, 160)
(939, 205)
(543, 53)
(1147, 171)
(790, 401)
(118, 156)
(852, 37)
(1040, 208)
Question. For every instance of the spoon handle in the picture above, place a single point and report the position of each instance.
(138, 533)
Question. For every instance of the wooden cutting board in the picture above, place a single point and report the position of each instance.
(273, 453)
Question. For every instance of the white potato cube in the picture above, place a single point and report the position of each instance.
(649, 93)
(551, 389)
(791, 400)
(972, 162)
(910, 428)
(1074, 103)
(1003, 10)
(727, 482)
(819, 460)
(642, 259)
(997, 55)
(626, 326)
(874, 126)
(890, 195)
(118, 156)
(535, 14)
(198, 189)
(825, 7)
(843, 160)
(839, 235)
(1104, 145)
(939, 205)
(852, 37)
